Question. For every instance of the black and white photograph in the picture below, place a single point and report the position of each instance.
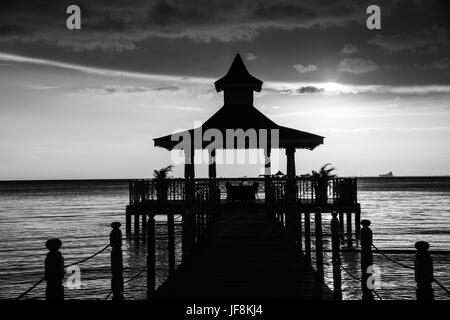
(219, 156)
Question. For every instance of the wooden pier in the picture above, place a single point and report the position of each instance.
(260, 220)
(269, 247)
(248, 248)
(244, 256)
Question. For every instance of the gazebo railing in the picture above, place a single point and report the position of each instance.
(332, 191)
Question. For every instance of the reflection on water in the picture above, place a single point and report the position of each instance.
(402, 211)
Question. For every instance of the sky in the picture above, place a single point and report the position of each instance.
(80, 104)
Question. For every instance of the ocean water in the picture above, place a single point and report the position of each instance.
(402, 211)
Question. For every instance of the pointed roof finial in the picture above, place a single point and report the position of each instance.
(238, 77)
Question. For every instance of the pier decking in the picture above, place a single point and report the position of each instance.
(245, 255)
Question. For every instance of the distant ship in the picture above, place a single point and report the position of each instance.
(386, 175)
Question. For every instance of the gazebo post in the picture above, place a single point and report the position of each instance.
(290, 165)
(187, 216)
(189, 171)
(212, 163)
(291, 195)
(267, 161)
(267, 180)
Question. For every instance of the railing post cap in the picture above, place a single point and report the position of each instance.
(53, 244)
(422, 245)
(365, 223)
(116, 225)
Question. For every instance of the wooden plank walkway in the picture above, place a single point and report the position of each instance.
(244, 256)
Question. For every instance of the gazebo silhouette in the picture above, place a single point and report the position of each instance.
(227, 229)
(239, 113)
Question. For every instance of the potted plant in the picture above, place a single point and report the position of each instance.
(162, 183)
(320, 182)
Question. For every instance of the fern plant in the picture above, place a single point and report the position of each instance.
(162, 173)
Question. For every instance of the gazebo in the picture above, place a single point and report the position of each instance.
(239, 113)
(286, 197)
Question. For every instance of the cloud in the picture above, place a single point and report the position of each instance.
(101, 71)
(349, 48)
(170, 88)
(111, 89)
(426, 40)
(441, 64)
(40, 87)
(309, 89)
(333, 88)
(250, 56)
(114, 89)
(383, 129)
(357, 65)
(121, 25)
(206, 91)
(304, 69)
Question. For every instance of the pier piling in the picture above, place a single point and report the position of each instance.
(366, 259)
(128, 223)
(336, 258)
(144, 225)
(349, 230)
(307, 239)
(423, 266)
(184, 234)
(341, 224)
(358, 224)
(136, 224)
(291, 210)
(319, 246)
(299, 232)
(54, 270)
(151, 256)
(171, 240)
(115, 241)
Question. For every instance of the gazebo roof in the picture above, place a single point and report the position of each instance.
(245, 116)
(238, 77)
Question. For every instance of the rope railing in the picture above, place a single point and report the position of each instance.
(423, 263)
(30, 289)
(65, 266)
(136, 275)
(88, 258)
(391, 259)
(319, 224)
(359, 280)
(441, 286)
(353, 276)
(443, 261)
(350, 274)
(409, 267)
(109, 294)
(141, 272)
(376, 293)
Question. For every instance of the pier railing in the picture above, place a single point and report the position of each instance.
(422, 267)
(335, 191)
(311, 232)
(200, 207)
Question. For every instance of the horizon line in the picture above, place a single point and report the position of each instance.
(117, 179)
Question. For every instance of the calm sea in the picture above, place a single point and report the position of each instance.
(402, 211)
